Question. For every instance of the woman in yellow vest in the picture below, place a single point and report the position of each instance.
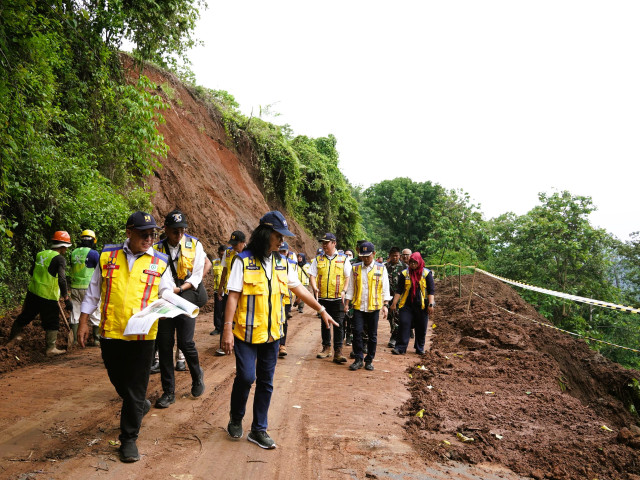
(303, 276)
(254, 318)
(129, 277)
(415, 299)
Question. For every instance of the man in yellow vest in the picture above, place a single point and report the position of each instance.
(84, 260)
(48, 284)
(129, 277)
(218, 310)
(329, 278)
(288, 255)
(369, 292)
(187, 261)
(237, 242)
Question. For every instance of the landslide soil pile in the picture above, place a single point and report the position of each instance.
(214, 179)
(532, 398)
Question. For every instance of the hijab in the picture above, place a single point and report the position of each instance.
(416, 274)
(304, 259)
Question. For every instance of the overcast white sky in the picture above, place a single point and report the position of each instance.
(503, 99)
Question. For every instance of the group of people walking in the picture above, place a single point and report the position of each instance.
(256, 284)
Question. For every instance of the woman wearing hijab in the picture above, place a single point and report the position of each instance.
(415, 299)
(254, 319)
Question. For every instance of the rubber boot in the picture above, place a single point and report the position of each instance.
(96, 336)
(74, 329)
(52, 336)
(15, 332)
(337, 356)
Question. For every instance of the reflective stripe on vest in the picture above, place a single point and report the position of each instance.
(260, 311)
(42, 283)
(125, 292)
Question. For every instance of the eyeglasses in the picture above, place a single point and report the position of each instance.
(147, 235)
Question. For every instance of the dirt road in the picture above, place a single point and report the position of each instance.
(57, 419)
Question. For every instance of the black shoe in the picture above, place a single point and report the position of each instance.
(368, 366)
(215, 331)
(262, 439)
(146, 407)
(349, 340)
(356, 365)
(181, 366)
(165, 400)
(392, 343)
(129, 452)
(234, 429)
(411, 334)
(419, 352)
(395, 351)
(352, 355)
(155, 367)
(197, 388)
(365, 349)
(289, 316)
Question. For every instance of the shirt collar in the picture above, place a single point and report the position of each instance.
(128, 251)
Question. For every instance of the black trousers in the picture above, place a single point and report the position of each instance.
(128, 364)
(285, 327)
(33, 305)
(181, 327)
(334, 308)
(367, 322)
(218, 313)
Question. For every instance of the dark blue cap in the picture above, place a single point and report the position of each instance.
(284, 246)
(328, 237)
(276, 221)
(141, 221)
(176, 219)
(237, 237)
(365, 249)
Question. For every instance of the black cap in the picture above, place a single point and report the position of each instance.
(141, 221)
(328, 237)
(237, 237)
(276, 221)
(365, 249)
(175, 219)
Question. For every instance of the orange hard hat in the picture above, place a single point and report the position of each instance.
(61, 237)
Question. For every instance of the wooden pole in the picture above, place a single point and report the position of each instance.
(473, 281)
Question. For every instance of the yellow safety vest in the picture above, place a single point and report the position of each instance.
(231, 254)
(374, 282)
(407, 287)
(303, 274)
(260, 311)
(187, 255)
(216, 268)
(42, 283)
(330, 279)
(125, 292)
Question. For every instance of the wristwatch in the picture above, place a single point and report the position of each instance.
(432, 304)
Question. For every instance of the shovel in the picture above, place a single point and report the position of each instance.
(70, 335)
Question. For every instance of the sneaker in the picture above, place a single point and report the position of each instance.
(181, 366)
(348, 341)
(129, 452)
(165, 400)
(220, 353)
(283, 351)
(368, 366)
(215, 331)
(356, 365)
(155, 367)
(325, 353)
(234, 429)
(300, 310)
(395, 351)
(419, 352)
(352, 354)
(146, 407)
(262, 439)
(392, 343)
(197, 387)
